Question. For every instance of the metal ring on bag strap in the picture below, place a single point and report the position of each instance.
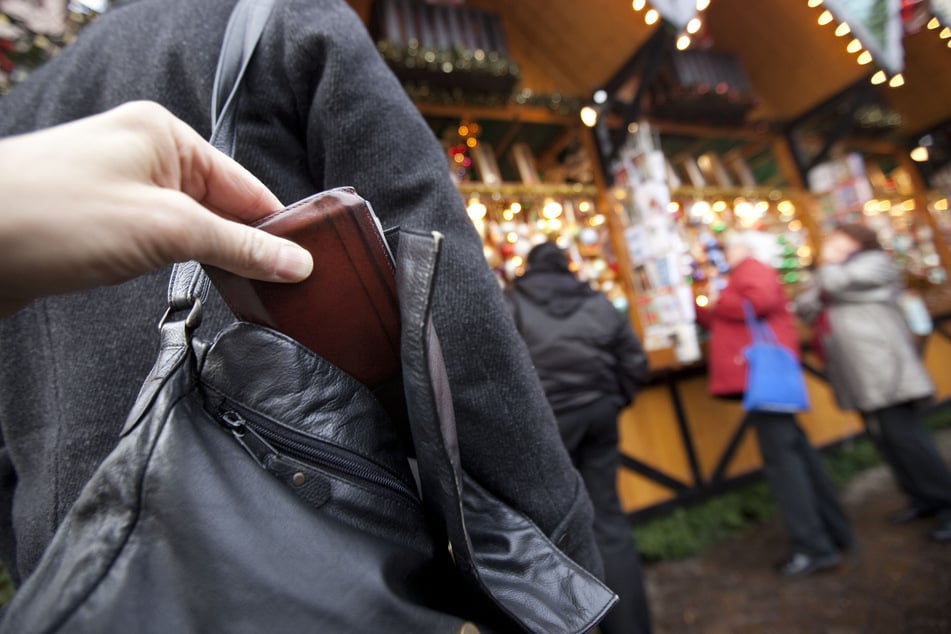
(188, 285)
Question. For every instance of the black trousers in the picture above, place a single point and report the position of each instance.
(910, 452)
(591, 437)
(807, 501)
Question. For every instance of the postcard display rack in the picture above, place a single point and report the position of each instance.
(853, 189)
(658, 249)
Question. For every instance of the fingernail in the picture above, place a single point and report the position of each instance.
(294, 263)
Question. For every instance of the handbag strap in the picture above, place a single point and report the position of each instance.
(760, 332)
(188, 285)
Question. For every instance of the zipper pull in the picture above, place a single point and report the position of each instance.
(257, 447)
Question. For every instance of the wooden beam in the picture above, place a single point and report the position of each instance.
(524, 114)
(550, 153)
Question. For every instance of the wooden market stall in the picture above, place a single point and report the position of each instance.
(502, 84)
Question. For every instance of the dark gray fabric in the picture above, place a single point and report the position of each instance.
(321, 111)
(807, 502)
(583, 348)
(910, 451)
(590, 433)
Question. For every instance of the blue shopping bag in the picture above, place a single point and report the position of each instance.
(774, 381)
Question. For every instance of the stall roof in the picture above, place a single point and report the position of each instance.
(573, 48)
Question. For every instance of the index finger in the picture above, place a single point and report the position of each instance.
(218, 182)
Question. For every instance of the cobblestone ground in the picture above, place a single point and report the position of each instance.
(898, 582)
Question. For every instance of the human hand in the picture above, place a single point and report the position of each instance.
(105, 199)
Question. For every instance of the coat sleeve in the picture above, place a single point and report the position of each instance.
(858, 277)
(362, 130)
(808, 304)
(632, 362)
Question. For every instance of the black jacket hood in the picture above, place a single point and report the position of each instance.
(559, 294)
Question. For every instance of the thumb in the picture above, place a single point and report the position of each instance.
(249, 252)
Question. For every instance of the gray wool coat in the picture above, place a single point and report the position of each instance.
(321, 110)
(870, 356)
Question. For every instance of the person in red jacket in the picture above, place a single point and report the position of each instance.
(818, 527)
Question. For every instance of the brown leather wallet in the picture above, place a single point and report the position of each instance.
(347, 311)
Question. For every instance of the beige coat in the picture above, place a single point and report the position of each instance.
(871, 360)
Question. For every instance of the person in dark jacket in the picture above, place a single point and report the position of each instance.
(818, 527)
(321, 110)
(590, 363)
(874, 366)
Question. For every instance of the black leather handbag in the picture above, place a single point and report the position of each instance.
(258, 488)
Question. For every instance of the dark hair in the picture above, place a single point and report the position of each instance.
(547, 256)
(866, 238)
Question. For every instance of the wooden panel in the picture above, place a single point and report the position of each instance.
(925, 99)
(649, 433)
(637, 492)
(938, 362)
(792, 62)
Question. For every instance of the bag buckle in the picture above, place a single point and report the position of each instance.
(192, 320)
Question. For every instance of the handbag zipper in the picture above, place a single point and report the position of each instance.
(260, 441)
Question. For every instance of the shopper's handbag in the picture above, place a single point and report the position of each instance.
(774, 381)
(258, 488)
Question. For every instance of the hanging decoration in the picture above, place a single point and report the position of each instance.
(875, 31)
(684, 15)
(940, 21)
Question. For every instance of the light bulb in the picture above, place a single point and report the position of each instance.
(854, 46)
(693, 26)
(897, 81)
(825, 17)
(651, 17)
(879, 78)
(864, 58)
(683, 42)
(638, 5)
(842, 29)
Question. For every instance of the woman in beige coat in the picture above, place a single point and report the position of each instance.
(874, 367)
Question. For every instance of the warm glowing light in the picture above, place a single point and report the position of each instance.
(825, 17)
(597, 220)
(719, 206)
(941, 205)
(879, 77)
(638, 5)
(476, 209)
(589, 116)
(673, 206)
(683, 42)
(804, 252)
(552, 209)
(786, 207)
(584, 206)
(518, 261)
(919, 154)
(762, 207)
(702, 5)
(702, 301)
(651, 17)
(864, 58)
(463, 130)
(933, 24)
(814, 3)
(472, 141)
(884, 205)
(842, 29)
(516, 208)
(871, 207)
(694, 25)
(508, 216)
(945, 33)
(511, 237)
(600, 96)
(795, 225)
(459, 158)
(908, 205)
(555, 224)
(854, 46)
(896, 81)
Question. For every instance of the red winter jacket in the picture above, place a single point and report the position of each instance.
(757, 283)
